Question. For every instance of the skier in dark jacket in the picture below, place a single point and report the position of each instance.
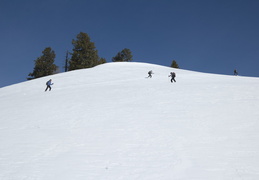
(172, 75)
(150, 74)
(48, 83)
(235, 72)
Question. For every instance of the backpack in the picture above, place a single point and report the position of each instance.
(173, 74)
(48, 82)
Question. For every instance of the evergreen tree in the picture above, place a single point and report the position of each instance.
(102, 61)
(84, 53)
(44, 65)
(124, 55)
(174, 64)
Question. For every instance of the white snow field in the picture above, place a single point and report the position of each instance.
(111, 123)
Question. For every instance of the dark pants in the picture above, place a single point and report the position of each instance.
(173, 79)
(48, 87)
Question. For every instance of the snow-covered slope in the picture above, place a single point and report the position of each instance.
(111, 123)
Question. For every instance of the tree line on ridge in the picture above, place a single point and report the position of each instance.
(83, 55)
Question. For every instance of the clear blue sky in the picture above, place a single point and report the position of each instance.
(214, 36)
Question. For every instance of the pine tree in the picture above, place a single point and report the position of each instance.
(44, 65)
(102, 61)
(124, 55)
(174, 64)
(84, 53)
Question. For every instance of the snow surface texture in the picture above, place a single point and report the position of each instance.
(112, 123)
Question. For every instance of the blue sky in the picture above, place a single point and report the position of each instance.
(214, 36)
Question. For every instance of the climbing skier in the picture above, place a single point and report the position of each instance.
(48, 83)
(235, 72)
(172, 75)
(150, 74)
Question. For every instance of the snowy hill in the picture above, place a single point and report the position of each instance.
(112, 123)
